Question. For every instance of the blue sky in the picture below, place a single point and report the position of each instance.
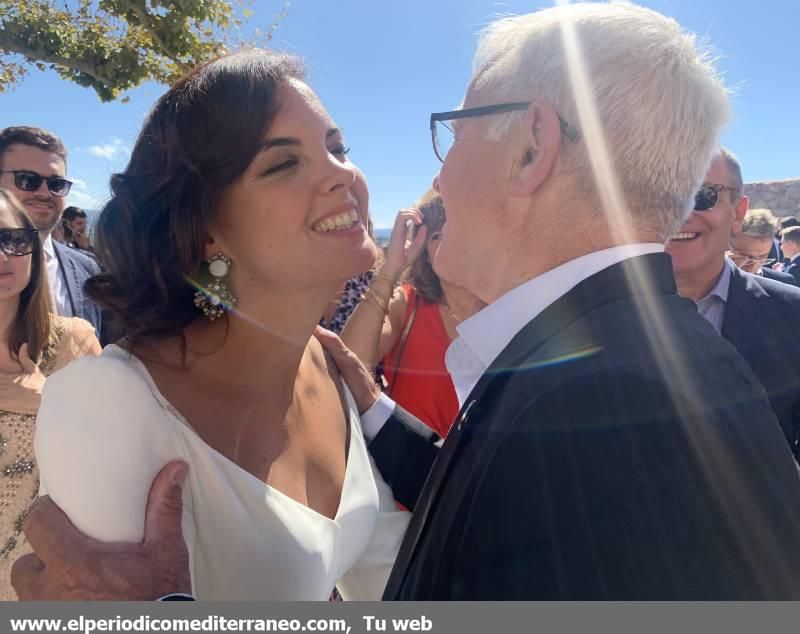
(382, 67)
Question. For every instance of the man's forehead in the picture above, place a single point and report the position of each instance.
(19, 156)
(718, 172)
(753, 246)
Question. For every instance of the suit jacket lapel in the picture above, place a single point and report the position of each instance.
(611, 284)
(742, 305)
(66, 268)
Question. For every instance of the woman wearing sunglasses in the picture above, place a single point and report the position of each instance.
(237, 219)
(35, 344)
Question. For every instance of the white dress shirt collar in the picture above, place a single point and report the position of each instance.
(483, 336)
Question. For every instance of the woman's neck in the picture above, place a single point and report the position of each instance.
(259, 344)
(8, 313)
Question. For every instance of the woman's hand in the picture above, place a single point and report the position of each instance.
(401, 254)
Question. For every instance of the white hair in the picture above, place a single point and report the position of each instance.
(656, 95)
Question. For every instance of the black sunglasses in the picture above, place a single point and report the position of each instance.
(441, 144)
(16, 242)
(31, 181)
(708, 195)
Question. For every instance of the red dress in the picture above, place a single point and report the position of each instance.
(423, 386)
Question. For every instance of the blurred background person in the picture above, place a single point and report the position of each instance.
(408, 330)
(759, 317)
(77, 221)
(790, 244)
(752, 246)
(788, 221)
(345, 301)
(35, 343)
(33, 166)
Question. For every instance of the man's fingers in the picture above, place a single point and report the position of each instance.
(45, 525)
(165, 504)
(24, 574)
(333, 345)
(345, 359)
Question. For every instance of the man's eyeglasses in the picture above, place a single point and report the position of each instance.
(742, 259)
(31, 181)
(17, 242)
(443, 136)
(708, 195)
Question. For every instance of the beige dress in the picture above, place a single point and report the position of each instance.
(19, 478)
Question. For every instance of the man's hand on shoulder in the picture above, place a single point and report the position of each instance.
(355, 374)
(68, 566)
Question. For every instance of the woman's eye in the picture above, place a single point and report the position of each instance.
(340, 150)
(281, 166)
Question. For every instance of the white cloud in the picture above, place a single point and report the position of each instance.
(85, 200)
(77, 182)
(110, 150)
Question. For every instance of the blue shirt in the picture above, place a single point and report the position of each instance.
(712, 306)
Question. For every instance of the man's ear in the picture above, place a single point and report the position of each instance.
(537, 149)
(739, 212)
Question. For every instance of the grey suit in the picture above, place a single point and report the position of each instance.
(75, 268)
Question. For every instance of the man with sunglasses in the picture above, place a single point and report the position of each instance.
(33, 165)
(759, 316)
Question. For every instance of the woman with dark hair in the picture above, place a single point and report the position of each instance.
(408, 329)
(35, 343)
(235, 222)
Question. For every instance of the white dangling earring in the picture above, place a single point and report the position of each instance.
(215, 298)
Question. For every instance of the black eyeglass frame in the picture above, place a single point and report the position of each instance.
(573, 134)
(716, 189)
(32, 233)
(40, 179)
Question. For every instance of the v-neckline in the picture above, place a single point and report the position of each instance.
(167, 405)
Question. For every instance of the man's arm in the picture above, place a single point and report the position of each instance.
(404, 451)
(68, 566)
(403, 447)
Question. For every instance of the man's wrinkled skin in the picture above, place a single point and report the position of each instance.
(355, 374)
(68, 566)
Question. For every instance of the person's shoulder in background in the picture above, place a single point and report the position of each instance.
(71, 338)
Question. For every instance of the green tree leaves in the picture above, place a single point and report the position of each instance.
(114, 45)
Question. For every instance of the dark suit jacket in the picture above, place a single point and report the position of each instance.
(778, 276)
(762, 321)
(75, 268)
(794, 269)
(618, 448)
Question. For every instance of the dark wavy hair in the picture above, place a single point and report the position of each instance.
(32, 322)
(199, 138)
(420, 275)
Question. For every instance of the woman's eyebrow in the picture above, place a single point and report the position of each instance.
(290, 140)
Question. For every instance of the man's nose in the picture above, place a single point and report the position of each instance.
(43, 189)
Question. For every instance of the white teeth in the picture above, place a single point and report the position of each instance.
(340, 222)
(686, 235)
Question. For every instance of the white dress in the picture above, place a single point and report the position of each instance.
(104, 431)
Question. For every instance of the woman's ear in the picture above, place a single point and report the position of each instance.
(538, 148)
(212, 247)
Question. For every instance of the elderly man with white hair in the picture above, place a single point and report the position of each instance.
(598, 453)
(610, 444)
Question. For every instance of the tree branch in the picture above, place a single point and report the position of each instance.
(9, 42)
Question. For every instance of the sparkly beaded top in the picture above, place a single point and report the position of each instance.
(19, 477)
